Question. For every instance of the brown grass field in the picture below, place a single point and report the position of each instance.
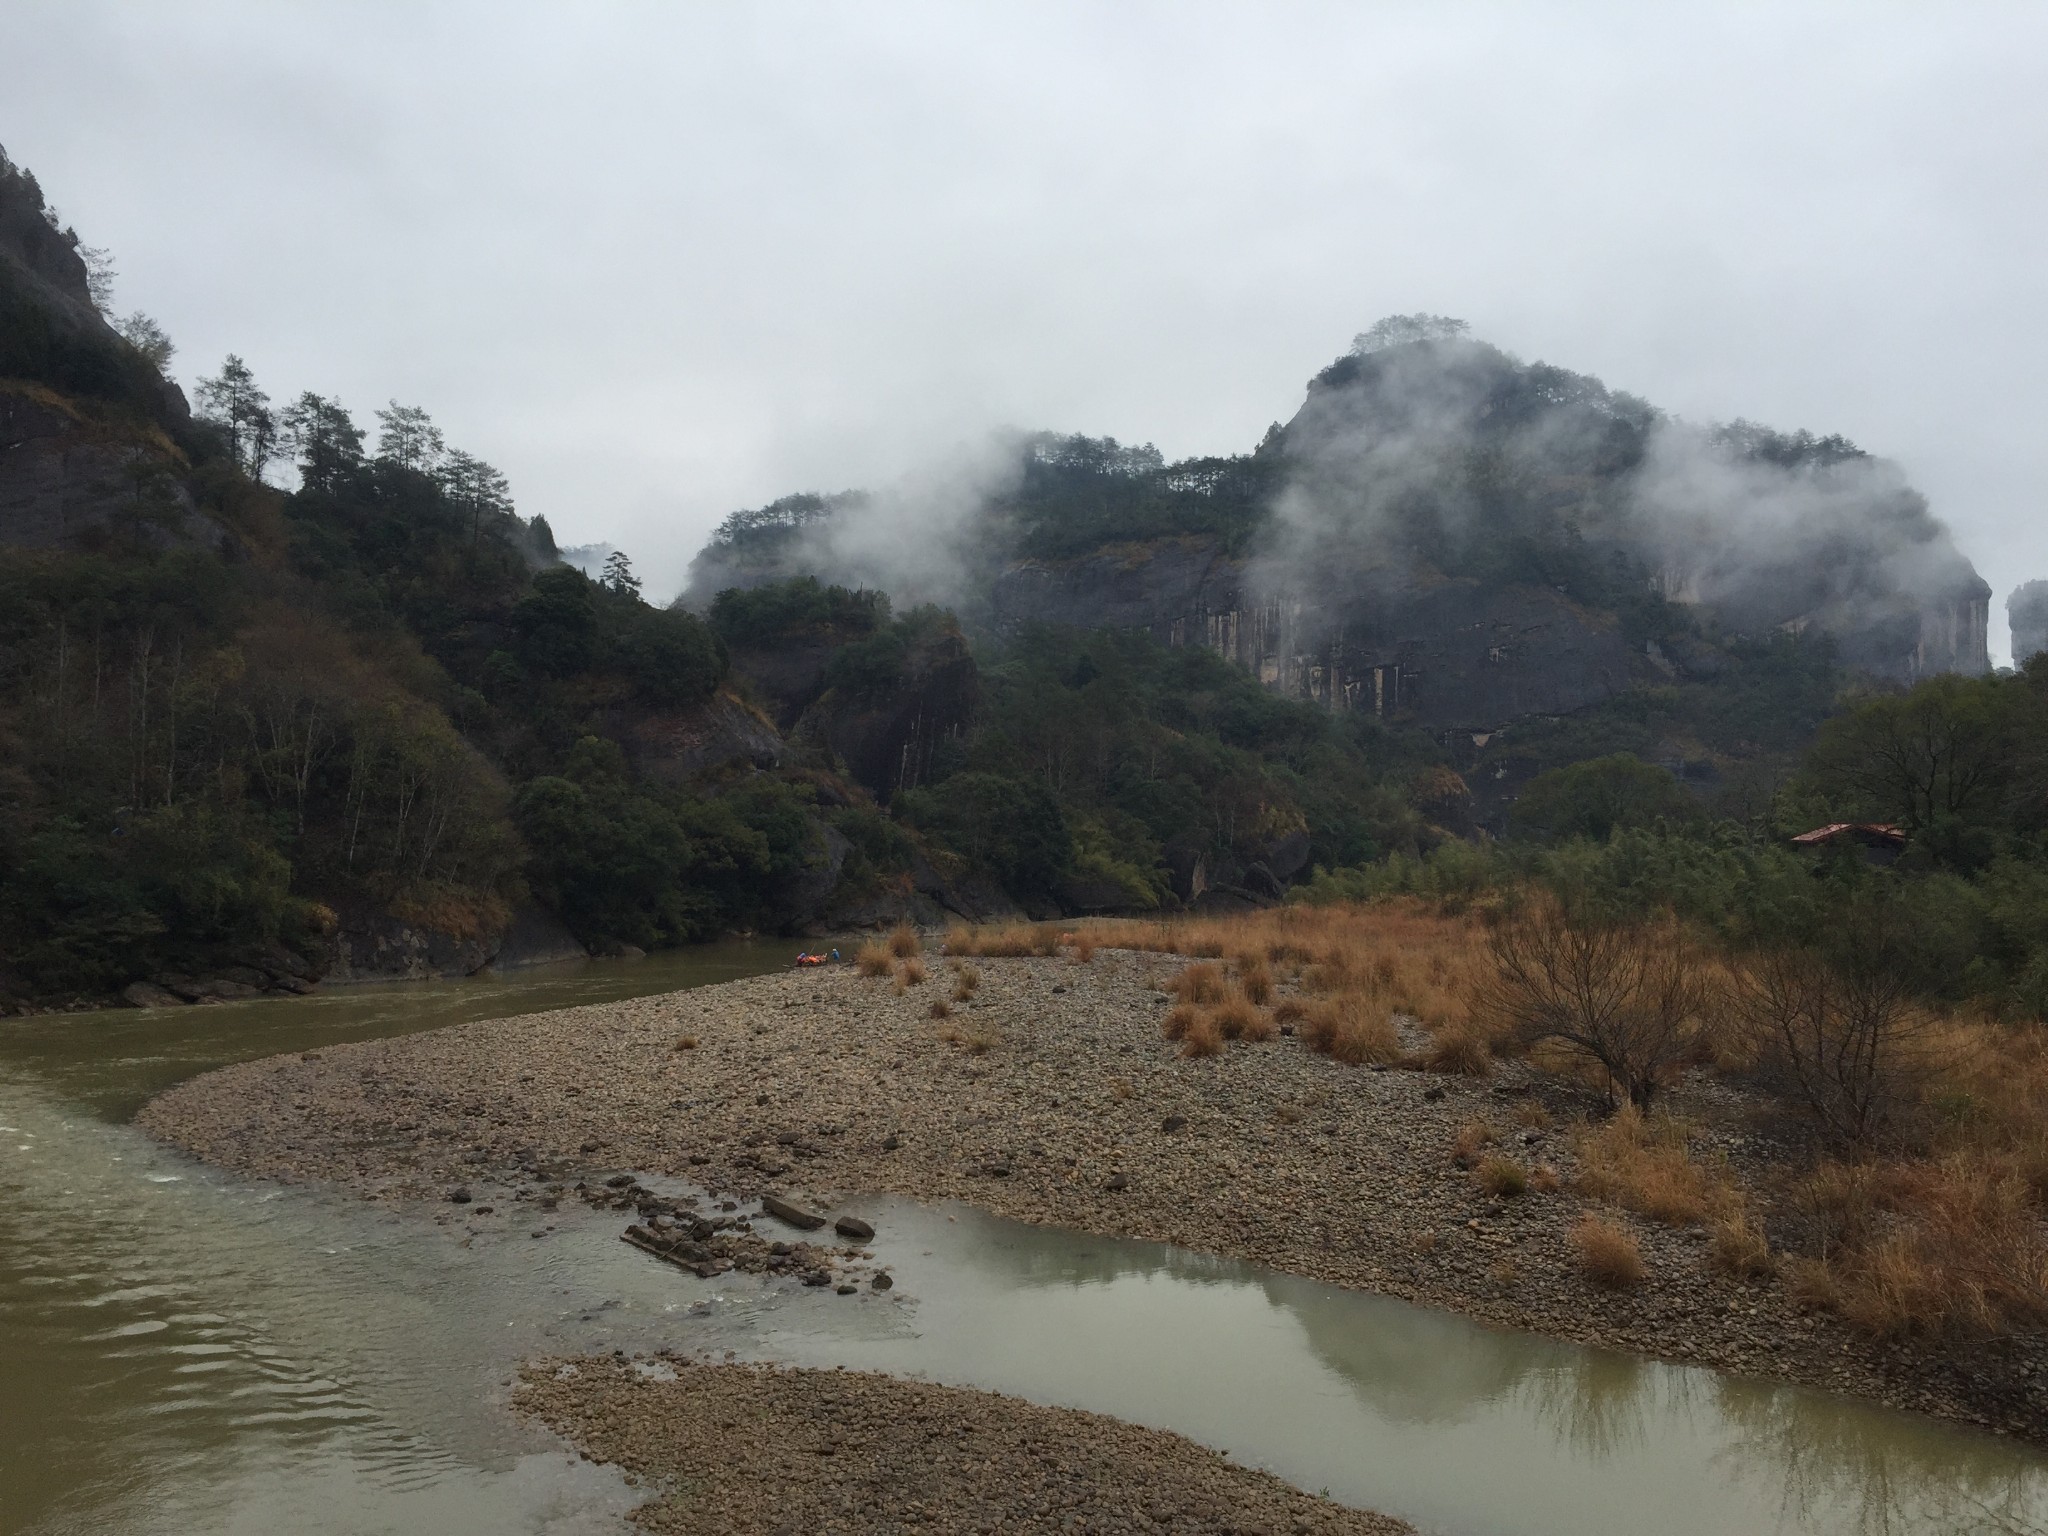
(1939, 1228)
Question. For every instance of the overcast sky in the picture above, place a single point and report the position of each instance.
(658, 261)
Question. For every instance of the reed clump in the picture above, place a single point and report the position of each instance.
(874, 960)
(904, 941)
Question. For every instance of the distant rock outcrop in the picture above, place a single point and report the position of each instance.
(2026, 609)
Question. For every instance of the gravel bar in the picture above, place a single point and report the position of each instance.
(746, 1448)
(1055, 1100)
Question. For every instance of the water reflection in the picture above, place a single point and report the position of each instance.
(1456, 1426)
(1836, 1461)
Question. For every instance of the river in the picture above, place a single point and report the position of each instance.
(182, 1351)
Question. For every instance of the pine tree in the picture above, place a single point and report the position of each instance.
(618, 574)
(407, 437)
(232, 402)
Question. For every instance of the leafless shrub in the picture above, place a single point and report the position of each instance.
(1622, 996)
(1839, 1036)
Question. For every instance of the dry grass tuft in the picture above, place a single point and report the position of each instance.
(1180, 1018)
(1643, 1165)
(1544, 1180)
(1203, 1038)
(904, 942)
(965, 982)
(1739, 1249)
(1460, 1051)
(913, 972)
(1121, 1090)
(1532, 1115)
(1947, 1247)
(1402, 956)
(1425, 1242)
(1290, 1010)
(1474, 1136)
(1608, 1254)
(1502, 1176)
(1237, 1018)
(941, 1009)
(1255, 980)
(976, 1042)
(1201, 983)
(1811, 1284)
(1084, 949)
(1012, 941)
(1351, 1030)
(873, 960)
(687, 1043)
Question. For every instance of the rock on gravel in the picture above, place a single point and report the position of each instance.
(744, 1448)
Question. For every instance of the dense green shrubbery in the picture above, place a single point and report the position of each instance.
(795, 611)
(1594, 799)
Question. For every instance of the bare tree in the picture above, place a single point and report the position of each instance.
(1623, 996)
(1836, 1034)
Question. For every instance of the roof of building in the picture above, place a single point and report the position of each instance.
(1862, 831)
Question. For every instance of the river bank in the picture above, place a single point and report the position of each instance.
(1049, 1097)
(854, 1451)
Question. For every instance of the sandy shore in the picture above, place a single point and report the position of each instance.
(1074, 1112)
(738, 1448)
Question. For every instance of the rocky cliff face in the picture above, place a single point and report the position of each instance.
(83, 416)
(1450, 655)
(50, 329)
(68, 479)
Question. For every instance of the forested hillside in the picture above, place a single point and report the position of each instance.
(372, 725)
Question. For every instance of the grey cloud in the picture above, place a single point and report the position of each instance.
(660, 262)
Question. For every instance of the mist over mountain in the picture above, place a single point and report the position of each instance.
(1485, 538)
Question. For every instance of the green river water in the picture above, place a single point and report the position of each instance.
(181, 1351)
